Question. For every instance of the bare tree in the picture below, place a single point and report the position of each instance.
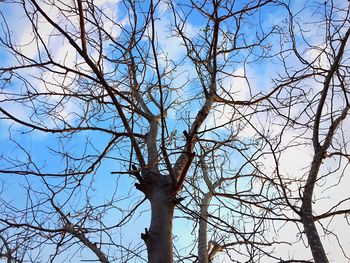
(312, 118)
(330, 107)
(310, 110)
(95, 102)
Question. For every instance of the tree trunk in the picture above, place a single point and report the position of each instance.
(203, 227)
(312, 235)
(158, 238)
(314, 240)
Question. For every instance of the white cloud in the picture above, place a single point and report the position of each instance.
(104, 2)
(233, 88)
(318, 56)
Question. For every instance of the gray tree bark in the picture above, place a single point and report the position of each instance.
(203, 227)
(158, 237)
(307, 217)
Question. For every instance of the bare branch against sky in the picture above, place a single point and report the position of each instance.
(174, 131)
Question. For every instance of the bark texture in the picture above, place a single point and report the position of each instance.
(158, 238)
(307, 217)
(202, 232)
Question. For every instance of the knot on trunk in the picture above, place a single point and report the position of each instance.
(69, 227)
(145, 236)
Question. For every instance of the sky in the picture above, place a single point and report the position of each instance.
(106, 186)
